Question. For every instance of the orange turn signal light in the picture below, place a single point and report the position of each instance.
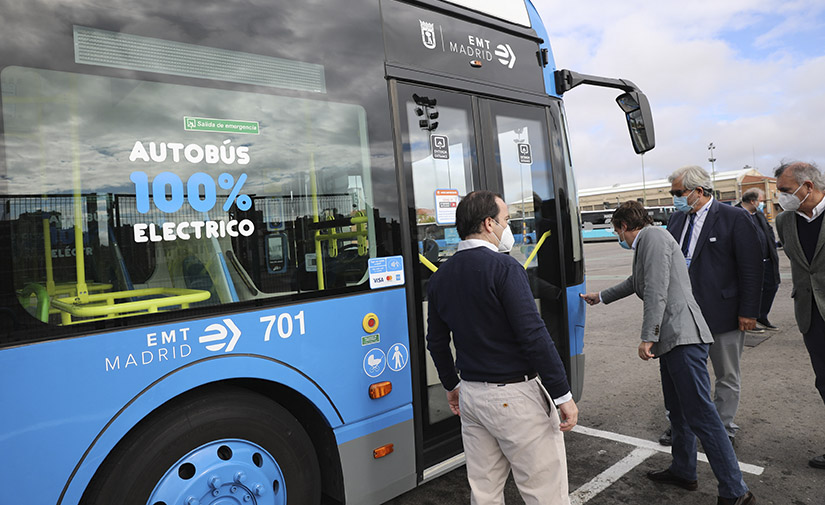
(380, 389)
(382, 451)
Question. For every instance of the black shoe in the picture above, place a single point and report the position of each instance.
(666, 438)
(766, 324)
(666, 477)
(746, 499)
(817, 461)
(757, 329)
(732, 441)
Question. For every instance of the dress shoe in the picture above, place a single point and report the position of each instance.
(817, 461)
(666, 438)
(746, 499)
(766, 324)
(666, 477)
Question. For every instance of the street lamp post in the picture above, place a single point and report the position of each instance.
(644, 185)
(712, 161)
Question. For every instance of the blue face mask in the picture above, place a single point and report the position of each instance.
(761, 207)
(681, 202)
(622, 242)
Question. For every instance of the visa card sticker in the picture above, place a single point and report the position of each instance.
(386, 272)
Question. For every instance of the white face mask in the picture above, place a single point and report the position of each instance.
(507, 240)
(789, 201)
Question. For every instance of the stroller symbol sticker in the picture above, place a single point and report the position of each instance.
(374, 362)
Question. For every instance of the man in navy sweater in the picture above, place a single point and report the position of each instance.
(509, 418)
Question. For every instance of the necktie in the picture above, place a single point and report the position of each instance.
(686, 243)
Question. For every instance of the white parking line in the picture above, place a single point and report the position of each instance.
(643, 450)
(602, 481)
(647, 444)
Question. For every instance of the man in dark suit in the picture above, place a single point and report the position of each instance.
(724, 258)
(753, 201)
(802, 196)
(513, 385)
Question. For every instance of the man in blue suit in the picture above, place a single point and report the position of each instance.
(724, 258)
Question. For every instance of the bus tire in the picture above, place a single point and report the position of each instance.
(211, 446)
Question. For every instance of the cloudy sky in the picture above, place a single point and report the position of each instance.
(747, 75)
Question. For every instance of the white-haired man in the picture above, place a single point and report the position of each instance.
(801, 195)
(724, 259)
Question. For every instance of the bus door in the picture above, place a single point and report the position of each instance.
(454, 143)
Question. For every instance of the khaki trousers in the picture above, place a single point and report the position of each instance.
(512, 426)
(725, 354)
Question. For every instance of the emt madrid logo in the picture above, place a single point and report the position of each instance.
(476, 47)
(216, 340)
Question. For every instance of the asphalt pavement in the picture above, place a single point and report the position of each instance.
(621, 413)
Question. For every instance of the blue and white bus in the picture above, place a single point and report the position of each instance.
(209, 226)
(597, 227)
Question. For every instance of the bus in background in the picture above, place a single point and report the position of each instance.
(596, 226)
(210, 218)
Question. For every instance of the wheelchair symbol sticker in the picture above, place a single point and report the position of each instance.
(374, 362)
(398, 357)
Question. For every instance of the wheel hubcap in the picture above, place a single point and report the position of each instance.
(223, 472)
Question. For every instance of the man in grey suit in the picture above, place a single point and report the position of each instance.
(801, 187)
(674, 331)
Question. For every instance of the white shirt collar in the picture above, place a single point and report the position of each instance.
(705, 207)
(472, 243)
(636, 239)
(820, 207)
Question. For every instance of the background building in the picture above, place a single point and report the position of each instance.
(728, 186)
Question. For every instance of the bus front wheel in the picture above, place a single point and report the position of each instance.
(225, 446)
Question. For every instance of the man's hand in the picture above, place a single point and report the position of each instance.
(644, 350)
(746, 323)
(569, 414)
(591, 298)
(452, 399)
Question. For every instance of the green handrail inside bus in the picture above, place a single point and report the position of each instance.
(427, 263)
(536, 249)
(105, 305)
(42, 296)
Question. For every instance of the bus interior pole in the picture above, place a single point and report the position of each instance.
(47, 245)
(82, 294)
(319, 257)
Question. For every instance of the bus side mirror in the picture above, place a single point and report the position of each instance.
(639, 120)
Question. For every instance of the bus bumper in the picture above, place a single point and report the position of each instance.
(369, 480)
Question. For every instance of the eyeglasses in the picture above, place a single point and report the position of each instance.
(679, 192)
(782, 190)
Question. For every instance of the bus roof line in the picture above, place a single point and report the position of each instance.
(478, 18)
